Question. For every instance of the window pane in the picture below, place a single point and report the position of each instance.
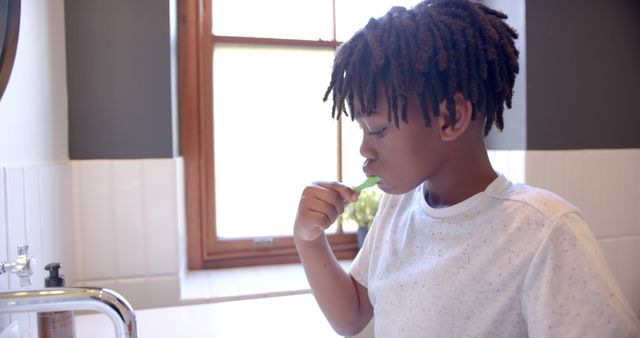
(351, 159)
(286, 19)
(273, 135)
(352, 15)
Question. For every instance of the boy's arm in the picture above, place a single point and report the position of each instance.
(343, 301)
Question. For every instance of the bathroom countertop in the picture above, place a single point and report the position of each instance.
(284, 316)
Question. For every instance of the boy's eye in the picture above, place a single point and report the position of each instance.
(378, 132)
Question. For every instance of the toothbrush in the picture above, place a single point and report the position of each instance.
(369, 182)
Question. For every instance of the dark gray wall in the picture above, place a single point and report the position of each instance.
(583, 69)
(119, 76)
(578, 87)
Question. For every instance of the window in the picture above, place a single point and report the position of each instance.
(254, 130)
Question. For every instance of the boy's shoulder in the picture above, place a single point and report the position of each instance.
(546, 203)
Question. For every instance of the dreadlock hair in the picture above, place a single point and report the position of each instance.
(433, 50)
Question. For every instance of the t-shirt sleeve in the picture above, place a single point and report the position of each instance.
(359, 269)
(569, 290)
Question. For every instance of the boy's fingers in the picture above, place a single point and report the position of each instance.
(346, 193)
(319, 219)
(329, 211)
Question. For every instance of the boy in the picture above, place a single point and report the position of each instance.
(456, 250)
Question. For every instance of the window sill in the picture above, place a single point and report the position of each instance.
(208, 286)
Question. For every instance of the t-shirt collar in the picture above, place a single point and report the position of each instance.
(494, 189)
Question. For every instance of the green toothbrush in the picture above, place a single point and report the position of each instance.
(369, 182)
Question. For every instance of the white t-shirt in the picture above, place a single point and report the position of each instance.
(511, 261)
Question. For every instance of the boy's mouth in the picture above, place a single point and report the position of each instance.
(369, 182)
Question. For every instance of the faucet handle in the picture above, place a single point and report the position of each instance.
(23, 250)
(23, 266)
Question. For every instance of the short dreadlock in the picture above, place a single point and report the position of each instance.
(433, 50)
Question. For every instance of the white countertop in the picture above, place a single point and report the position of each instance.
(285, 316)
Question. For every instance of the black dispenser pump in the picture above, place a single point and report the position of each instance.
(55, 324)
(55, 279)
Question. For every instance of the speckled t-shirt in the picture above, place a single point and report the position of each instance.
(512, 261)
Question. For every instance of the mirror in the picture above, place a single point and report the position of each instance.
(9, 27)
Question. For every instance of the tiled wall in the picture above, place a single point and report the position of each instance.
(129, 228)
(115, 224)
(35, 209)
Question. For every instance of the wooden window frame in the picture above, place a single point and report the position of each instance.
(195, 54)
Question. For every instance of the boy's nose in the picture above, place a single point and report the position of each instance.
(367, 151)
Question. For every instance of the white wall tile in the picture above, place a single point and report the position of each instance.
(143, 292)
(160, 215)
(33, 224)
(555, 173)
(130, 237)
(65, 218)
(621, 253)
(629, 191)
(78, 226)
(15, 209)
(517, 166)
(593, 192)
(181, 214)
(110, 284)
(134, 290)
(534, 169)
(23, 222)
(58, 236)
(126, 217)
(608, 194)
(26, 194)
(575, 181)
(96, 219)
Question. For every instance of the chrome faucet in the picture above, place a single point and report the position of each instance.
(70, 299)
(23, 266)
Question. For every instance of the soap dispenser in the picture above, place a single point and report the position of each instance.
(56, 324)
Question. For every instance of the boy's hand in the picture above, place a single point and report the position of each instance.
(320, 205)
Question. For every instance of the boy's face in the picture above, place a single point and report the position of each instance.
(403, 156)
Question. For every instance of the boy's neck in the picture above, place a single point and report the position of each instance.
(454, 197)
(460, 180)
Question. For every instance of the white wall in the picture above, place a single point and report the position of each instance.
(35, 176)
(33, 109)
(129, 228)
(35, 209)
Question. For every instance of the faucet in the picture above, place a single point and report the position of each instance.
(69, 299)
(22, 267)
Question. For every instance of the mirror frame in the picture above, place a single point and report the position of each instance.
(9, 29)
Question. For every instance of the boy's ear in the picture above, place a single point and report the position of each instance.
(464, 109)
